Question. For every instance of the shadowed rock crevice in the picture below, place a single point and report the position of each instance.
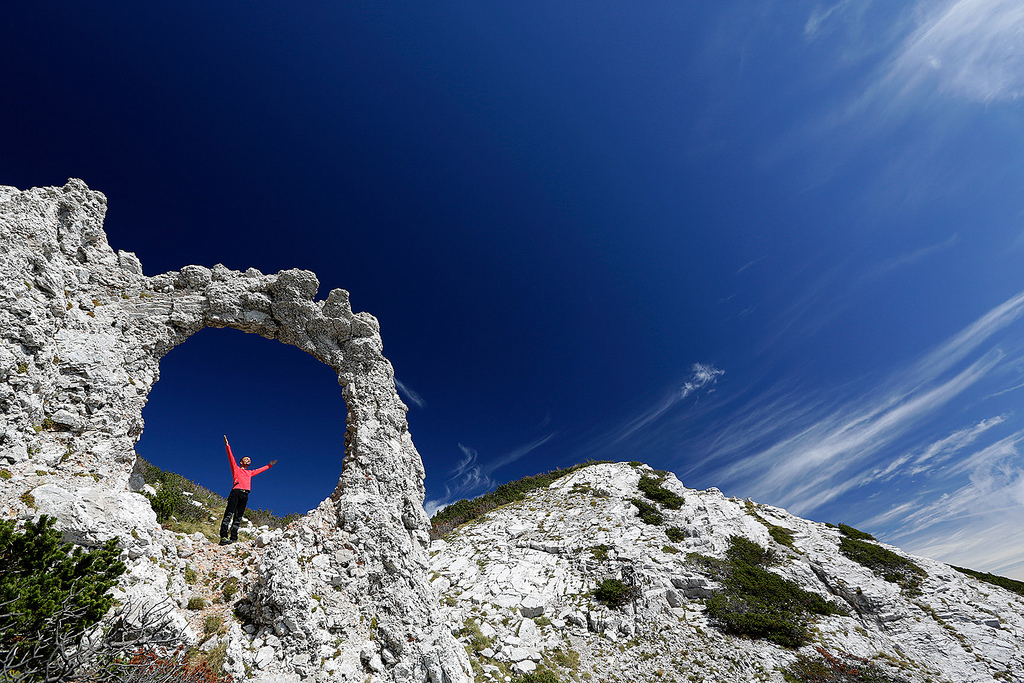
(83, 334)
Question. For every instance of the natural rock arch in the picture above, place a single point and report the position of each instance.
(84, 331)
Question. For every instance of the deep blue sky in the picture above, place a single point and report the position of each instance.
(774, 247)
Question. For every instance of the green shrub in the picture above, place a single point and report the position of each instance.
(50, 593)
(653, 490)
(648, 513)
(567, 659)
(196, 603)
(170, 501)
(885, 563)
(758, 603)
(229, 588)
(850, 532)
(675, 534)
(841, 668)
(743, 551)
(462, 511)
(214, 624)
(1001, 581)
(781, 535)
(615, 593)
(477, 640)
(600, 552)
(539, 676)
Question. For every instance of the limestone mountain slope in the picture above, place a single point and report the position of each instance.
(517, 585)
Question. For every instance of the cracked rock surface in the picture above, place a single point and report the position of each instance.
(517, 587)
(82, 332)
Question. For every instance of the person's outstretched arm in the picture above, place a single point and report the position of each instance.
(231, 457)
(266, 467)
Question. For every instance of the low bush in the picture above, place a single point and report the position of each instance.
(1001, 581)
(229, 588)
(758, 603)
(214, 624)
(675, 534)
(648, 513)
(653, 490)
(196, 603)
(885, 563)
(148, 667)
(615, 593)
(539, 676)
(53, 594)
(850, 532)
(781, 535)
(841, 668)
(45, 583)
(477, 640)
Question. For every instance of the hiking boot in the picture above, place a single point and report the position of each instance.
(224, 540)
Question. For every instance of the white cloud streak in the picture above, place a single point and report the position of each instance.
(981, 523)
(701, 376)
(409, 394)
(470, 477)
(904, 260)
(971, 49)
(809, 456)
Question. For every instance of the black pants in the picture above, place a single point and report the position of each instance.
(236, 506)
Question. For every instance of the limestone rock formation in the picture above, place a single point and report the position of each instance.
(518, 587)
(83, 331)
(350, 592)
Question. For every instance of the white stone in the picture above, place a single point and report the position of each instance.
(264, 656)
(533, 605)
(528, 631)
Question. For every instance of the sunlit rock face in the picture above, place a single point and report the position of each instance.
(523, 578)
(83, 331)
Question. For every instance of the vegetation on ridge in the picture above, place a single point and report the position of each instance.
(1009, 584)
(756, 602)
(841, 668)
(653, 490)
(464, 510)
(885, 563)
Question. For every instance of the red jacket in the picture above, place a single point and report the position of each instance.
(242, 476)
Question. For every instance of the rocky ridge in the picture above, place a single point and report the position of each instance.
(517, 586)
(344, 593)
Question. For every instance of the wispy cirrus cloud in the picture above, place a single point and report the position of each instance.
(701, 377)
(980, 523)
(972, 49)
(925, 459)
(803, 452)
(470, 477)
(409, 394)
(905, 260)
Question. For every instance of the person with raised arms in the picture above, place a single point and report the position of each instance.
(240, 487)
